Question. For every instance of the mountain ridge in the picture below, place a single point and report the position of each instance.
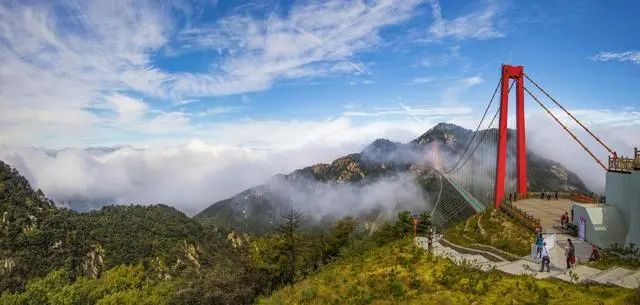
(257, 208)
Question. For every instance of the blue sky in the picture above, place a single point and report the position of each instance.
(264, 73)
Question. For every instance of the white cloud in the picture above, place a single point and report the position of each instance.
(314, 39)
(456, 88)
(230, 157)
(475, 25)
(632, 56)
(216, 110)
(420, 111)
(60, 61)
(128, 109)
(452, 54)
(620, 130)
(422, 80)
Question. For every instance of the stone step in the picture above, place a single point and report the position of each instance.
(583, 273)
(631, 281)
(611, 275)
(527, 266)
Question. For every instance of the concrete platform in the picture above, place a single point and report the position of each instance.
(548, 211)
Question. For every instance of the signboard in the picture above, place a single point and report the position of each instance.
(581, 228)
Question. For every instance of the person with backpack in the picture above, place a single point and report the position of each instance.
(539, 244)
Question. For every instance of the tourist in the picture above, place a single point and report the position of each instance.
(539, 244)
(556, 195)
(595, 254)
(570, 253)
(510, 198)
(563, 220)
(542, 195)
(545, 258)
(571, 214)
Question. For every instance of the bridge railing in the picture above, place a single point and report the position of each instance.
(521, 216)
(573, 196)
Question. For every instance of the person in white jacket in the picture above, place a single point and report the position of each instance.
(545, 257)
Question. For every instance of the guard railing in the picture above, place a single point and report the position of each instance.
(625, 164)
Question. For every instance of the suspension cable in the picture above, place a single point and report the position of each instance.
(565, 110)
(483, 134)
(477, 128)
(565, 128)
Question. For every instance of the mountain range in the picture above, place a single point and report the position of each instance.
(351, 184)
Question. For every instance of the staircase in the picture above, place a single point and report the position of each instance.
(580, 274)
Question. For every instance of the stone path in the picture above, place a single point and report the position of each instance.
(580, 274)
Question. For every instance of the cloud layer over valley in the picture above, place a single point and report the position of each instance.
(194, 175)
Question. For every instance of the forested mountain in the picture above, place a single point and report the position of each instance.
(157, 255)
(255, 210)
(37, 239)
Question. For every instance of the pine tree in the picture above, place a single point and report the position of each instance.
(289, 230)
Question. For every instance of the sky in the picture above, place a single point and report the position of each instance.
(233, 92)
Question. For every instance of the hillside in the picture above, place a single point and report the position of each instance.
(155, 254)
(255, 210)
(399, 273)
(38, 239)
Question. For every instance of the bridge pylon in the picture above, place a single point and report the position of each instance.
(517, 73)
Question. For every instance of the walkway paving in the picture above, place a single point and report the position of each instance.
(548, 211)
(580, 274)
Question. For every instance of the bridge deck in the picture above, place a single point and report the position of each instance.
(548, 211)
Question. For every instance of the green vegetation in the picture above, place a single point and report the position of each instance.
(627, 257)
(401, 273)
(155, 254)
(498, 230)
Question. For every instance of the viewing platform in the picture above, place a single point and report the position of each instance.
(625, 164)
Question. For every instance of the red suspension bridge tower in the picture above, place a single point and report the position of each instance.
(508, 73)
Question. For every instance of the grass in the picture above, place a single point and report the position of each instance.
(612, 257)
(400, 273)
(606, 262)
(501, 232)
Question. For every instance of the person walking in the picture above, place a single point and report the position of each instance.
(570, 253)
(556, 195)
(545, 258)
(539, 244)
